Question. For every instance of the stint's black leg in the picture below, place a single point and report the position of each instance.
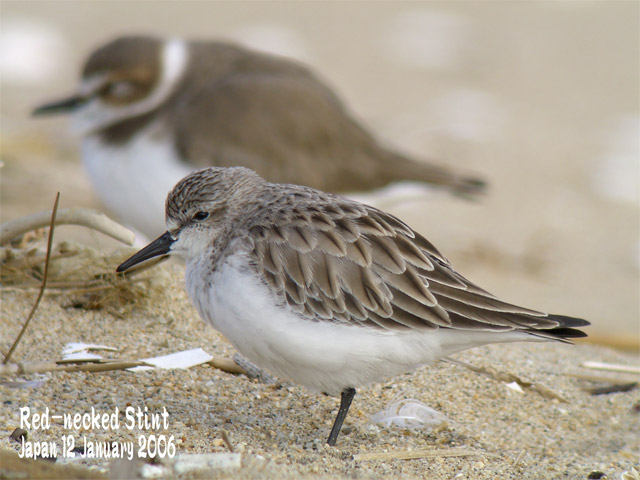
(345, 402)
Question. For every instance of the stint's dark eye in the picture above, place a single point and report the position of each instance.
(199, 216)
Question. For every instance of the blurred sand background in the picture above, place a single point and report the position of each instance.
(541, 98)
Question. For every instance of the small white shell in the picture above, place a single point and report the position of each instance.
(515, 386)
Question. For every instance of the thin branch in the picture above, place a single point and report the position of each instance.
(611, 367)
(44, 280)
(227, 365)
(607, 389)
(74, 287)
(508, 378)
(18, 263)
(414, 454)
(104, 366)
(68, 216)
(227, 442)
(599, 378)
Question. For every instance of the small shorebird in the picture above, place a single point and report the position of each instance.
(325, 291)
(152, 110)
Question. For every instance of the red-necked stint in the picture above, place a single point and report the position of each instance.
(325, 291)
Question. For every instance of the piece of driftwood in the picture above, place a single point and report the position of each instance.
(617, 388)
(599, 378)
(227, 365)
(611, 367)
(55, 288)
(42, 367)
(414, 454)
(69, 216)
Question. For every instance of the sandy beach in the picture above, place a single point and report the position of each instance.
(279, 430)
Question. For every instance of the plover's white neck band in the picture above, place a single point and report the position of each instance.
(174, 58)
(175, 55)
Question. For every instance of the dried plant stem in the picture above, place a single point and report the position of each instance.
(599, 378)
(69, 216)
(227, 365)
(44, 281)
(607, 389)
(73, 287)
(509, 378)
(611, 367)
(42, 367)
(18, 263)
(97, 365)
(225, 439)
(519, 457)
(413, 454)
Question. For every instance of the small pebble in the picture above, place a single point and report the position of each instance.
(596, 475)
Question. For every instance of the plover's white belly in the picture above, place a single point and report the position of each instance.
(320, 355)
(133, 179)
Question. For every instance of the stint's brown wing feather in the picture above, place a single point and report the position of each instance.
(349, 263)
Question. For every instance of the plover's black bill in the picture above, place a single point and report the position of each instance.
(160, 246)
(60, 106)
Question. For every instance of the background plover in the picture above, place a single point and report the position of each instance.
(151, 110)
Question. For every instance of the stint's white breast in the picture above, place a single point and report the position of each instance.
(320, 355)
(133, 179)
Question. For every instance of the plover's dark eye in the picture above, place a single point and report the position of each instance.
(199, 216)
(119, 90)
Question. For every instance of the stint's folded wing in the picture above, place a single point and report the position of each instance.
(345, 262)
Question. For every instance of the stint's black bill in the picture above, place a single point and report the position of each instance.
(61, 106)
(160, 246)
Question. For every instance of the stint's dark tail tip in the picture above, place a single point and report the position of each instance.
(567, 327)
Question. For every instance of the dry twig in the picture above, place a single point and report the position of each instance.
(42, 367)
(225, 439)
(607, 389)
(611, 367)
(44, 281)
(414, 454)
(519, 457)
(69, 216)
(227, 365)
(599, 378)
(509, 378)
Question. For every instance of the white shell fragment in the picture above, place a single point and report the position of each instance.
(184, 359)
(74, 347)
(153, 471)
(190, 463)
(83, 355)
(515, 386)
(409, 413)
(80, 351)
